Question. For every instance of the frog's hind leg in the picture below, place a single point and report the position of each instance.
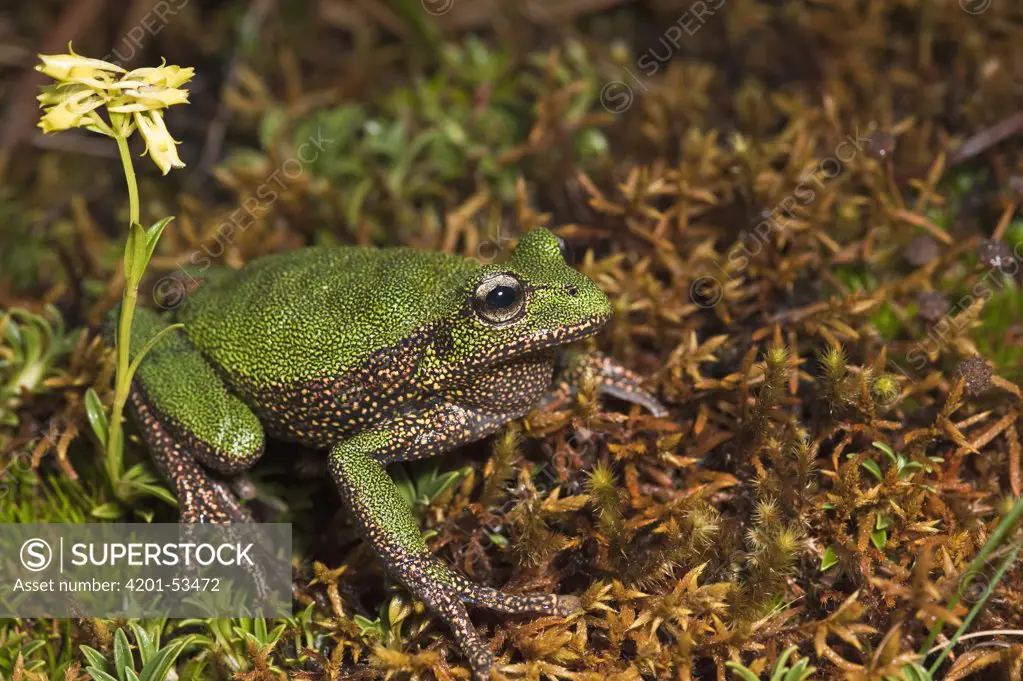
(187, 417)
(387, 523)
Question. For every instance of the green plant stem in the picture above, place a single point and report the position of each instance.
(122, 383)
(129, 175)
(975, 610)
(994, 541)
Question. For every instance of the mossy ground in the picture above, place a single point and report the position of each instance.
(792, 206)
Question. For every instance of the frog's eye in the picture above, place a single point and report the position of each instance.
(499, 299)
(566, 250)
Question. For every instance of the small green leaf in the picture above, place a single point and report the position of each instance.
(146, 646)
(886, 449)
(882, 522)
(368, 627)
(152, 237)
(107, 511)
(800, 671)
(743, 672)
(829, 559)
(874, 469)
(134, 255)
(99, 674)
(149, 346)
(498, 539)
(123, 659)
(160, 664)
(97, 416)
(94, 658)
(828, 506)
(879, 539)
(404, 484)
(781, 663)
(915, 672)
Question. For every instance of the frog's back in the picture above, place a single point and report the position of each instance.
(320, 312)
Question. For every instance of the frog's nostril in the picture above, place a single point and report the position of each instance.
(573, 291)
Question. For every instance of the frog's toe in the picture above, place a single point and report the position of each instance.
(209, 502)
(567, 605)
(611, 379)
(482, 663)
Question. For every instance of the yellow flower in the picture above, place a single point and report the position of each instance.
(147, 98)
(69, 66)
(69, 108)
(134, 99)
(164, 76)
(159, 144)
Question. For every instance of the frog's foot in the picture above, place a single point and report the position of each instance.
(612, 379)
(515, 604)
(386, 521)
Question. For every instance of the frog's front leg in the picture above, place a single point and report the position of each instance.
(386, 520)
(188, 417)
(612, 379)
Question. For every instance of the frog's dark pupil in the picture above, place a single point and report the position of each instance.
(501, 297)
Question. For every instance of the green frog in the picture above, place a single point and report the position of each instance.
(375, 356)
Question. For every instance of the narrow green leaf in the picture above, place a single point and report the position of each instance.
(149, 346)
(873, 468)
(260, 629)
(368, 626)
(123, 659)
(94, 658)
(800, 671)
(107, 511)
(152, 490)
(153, 236)
(744, 673)
(886, 449)
(134, 255)
(97, 416)
(879, 539)
(404, 484)
(99, 674)
(781, 663)
(144, 642)
(160, 664)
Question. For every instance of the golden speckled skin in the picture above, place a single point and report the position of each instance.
(377, 356)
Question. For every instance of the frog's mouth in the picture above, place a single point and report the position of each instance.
(589, 326)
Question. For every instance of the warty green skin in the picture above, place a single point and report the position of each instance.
(377, 355)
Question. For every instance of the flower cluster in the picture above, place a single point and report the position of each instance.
(132, 99)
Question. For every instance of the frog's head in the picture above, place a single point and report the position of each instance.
(533, 302)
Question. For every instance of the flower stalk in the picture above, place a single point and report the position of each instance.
(132, 100)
